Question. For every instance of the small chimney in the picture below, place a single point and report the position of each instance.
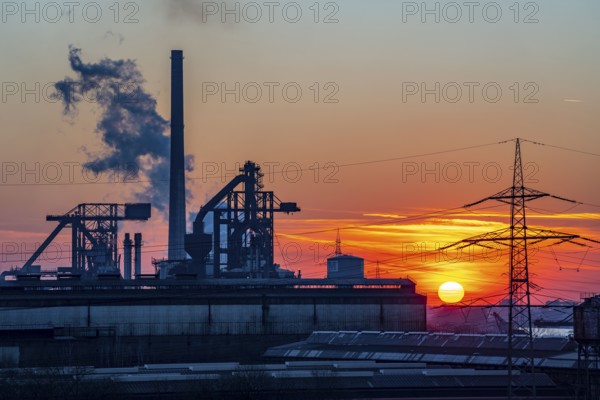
(128, 247)
(138, 254)
(177, 226)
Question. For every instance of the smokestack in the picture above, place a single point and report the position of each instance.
(128, 247)
(137, 238)
(177, 226)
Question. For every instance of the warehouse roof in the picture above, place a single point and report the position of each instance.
(423, 347)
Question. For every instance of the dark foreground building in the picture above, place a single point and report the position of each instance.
(289, 380)
(554, 356)
(113, 324)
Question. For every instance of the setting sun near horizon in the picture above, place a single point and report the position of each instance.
(451, 292)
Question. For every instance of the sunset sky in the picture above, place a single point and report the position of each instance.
(388, 166)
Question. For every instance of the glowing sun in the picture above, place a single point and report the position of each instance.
(451, 292)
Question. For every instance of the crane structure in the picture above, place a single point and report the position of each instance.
(94, 237)
(240, 233)
(517, 237)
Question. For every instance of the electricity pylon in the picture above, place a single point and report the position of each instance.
(517, 237)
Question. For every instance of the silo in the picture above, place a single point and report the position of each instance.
(127, 252)
(586, 318)
(137, 240)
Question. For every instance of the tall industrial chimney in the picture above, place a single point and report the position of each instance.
(177, 226)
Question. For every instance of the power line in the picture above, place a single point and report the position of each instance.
(389, 221)
(562, 148)
(324, 167)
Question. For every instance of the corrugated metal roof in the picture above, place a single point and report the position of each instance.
(437, 340)
(472, 349)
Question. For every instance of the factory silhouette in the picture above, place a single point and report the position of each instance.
(219, 301)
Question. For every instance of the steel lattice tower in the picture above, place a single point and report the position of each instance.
(519, 316)
(338, 244)
(516, 238)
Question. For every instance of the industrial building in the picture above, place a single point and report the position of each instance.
(218, 281)
(225, 307)
(555, 356)
(344, 266)
(439, 348)
(148, 309)
(586, 321)
(94, 243)
(232, 236)
(336, 379)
